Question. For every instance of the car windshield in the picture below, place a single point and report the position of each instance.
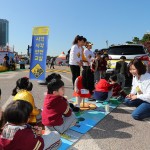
(126, 50)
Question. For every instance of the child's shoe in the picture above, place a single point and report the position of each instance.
(97, 101)
(76, 109)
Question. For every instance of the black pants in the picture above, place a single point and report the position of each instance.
(75, 70)
(86, 67)
(52, 65)
(22, 66)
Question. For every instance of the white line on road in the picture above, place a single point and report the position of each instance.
(66, 78)
(8, 75)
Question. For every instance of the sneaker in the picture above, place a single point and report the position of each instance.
(97, 101)
(76, 109)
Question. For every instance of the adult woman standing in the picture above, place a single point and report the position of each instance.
(88, 54)
(140, 93)
(75, 59)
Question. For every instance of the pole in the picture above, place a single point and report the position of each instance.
(107, 43)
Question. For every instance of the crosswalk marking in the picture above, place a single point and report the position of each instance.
(54, 70)
(8, 75)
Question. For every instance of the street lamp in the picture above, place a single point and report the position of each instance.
(107, 43)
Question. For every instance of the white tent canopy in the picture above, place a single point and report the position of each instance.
(61, 58)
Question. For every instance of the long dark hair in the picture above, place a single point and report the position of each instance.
(78, 38)
(22, 83)
(88, 79)
(139, 65)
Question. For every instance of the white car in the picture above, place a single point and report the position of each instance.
(130, 51)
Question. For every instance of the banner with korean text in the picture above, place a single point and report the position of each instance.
(39, 52)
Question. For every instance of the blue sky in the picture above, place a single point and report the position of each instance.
(117, 21)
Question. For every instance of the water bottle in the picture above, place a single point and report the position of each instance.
(107, 108)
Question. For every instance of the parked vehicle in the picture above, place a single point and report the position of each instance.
(130, 51)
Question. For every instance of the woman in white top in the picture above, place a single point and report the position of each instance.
(88, 55)
(75, 59)
(140, 93)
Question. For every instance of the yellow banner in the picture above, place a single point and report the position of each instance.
(43, 30)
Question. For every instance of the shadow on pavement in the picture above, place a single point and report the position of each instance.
(109, 127)
(121, 110)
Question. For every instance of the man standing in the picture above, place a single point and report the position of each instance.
(121, 70)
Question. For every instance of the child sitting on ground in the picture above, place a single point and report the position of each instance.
(17, 134)
(117, 91)
(58, 77)
(57, 114)
(103, 89)
(24, 87)
(84, 86)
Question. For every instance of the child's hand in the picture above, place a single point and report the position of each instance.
(129, 96)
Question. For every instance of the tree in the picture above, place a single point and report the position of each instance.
(136, 40)
(146, 38)
(129, 42)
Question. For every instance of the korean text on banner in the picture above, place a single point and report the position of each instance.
(39, 52)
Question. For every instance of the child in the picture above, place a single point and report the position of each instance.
(58, 77)
(24, 87)
(84, 86)
(103, 89)
(17, 134)
(57, 114)
(121, 70)
(117, 90)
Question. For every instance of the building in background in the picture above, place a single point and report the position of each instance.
(4, 32)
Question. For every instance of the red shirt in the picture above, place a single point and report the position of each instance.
(79, 87)
(23, 139)
(103, 86)
(117, 90)
(53, 110)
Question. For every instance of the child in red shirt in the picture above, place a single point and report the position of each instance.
(103, 89)
(17, 134)
(57, 114)
(117, 90)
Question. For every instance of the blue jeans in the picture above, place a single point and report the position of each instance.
(100, 95)
(143, 108)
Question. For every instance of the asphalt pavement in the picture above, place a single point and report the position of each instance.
(117, 131)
